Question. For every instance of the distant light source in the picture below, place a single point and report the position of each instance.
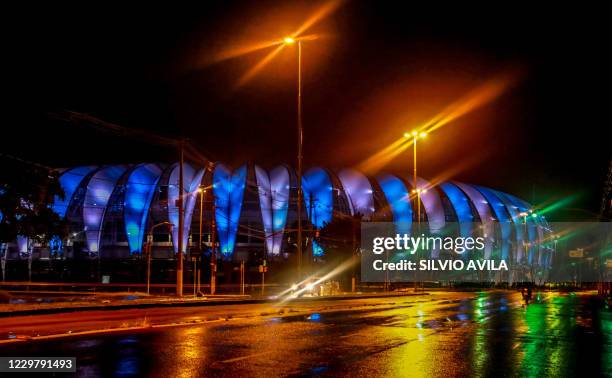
(414, 133)
(535, 215)
(289, 40)
(423, 135)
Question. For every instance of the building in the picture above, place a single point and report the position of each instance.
(112, 212)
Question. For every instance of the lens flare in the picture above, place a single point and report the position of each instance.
(479, 96)
(258, 67)
(235, 52)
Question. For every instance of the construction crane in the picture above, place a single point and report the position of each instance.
(183, 146)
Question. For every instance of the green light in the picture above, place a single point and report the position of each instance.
(535, 215)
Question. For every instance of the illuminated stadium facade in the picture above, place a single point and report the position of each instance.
(111, 210)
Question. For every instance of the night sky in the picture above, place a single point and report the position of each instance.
(378, 70)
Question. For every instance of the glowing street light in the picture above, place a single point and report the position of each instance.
(289, 41)
(415, 135)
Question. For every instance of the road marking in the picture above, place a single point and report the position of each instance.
(242, 358)
(353, 334)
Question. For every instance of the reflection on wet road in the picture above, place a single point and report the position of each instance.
(447, 334)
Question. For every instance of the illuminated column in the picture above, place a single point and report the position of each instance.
(99, 190)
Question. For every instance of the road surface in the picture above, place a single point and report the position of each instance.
(443, 334)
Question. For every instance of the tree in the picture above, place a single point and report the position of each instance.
(27, 191)
(340, 237)
(340, 240)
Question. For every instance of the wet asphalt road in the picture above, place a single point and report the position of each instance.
(446, 334)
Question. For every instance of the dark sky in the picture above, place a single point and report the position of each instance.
(379, 70)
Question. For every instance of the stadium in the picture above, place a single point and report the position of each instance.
(118, 212)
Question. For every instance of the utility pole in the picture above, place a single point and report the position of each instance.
(312, 235)
(242, 277)
(148, 250)
(299, 162)
(354, 254)
(263, 268)
(195, 276)
(213, 253)
(199, 271)
(179, 257)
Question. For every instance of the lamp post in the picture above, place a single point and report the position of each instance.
(415, 135)
(525, 230)
(149, 250)
(181, 221)
(201, 191)
(213, 247)
(300, 141)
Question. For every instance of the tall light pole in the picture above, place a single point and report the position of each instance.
(201, 191)
(415, 135)
(213, 247)
(300, 141)
(149, 250)
(181, 221)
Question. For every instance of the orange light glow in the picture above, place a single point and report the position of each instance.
(481, 95)
(239, 51)
(453, 170)
(327, 9)
(384, 156)
(317, 16)
(258, 67)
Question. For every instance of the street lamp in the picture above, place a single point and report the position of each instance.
(201, 191)
(289, 41)
(196, 272)
(149, 250)
(415, 135)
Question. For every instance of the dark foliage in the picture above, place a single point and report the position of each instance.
(27, 191)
